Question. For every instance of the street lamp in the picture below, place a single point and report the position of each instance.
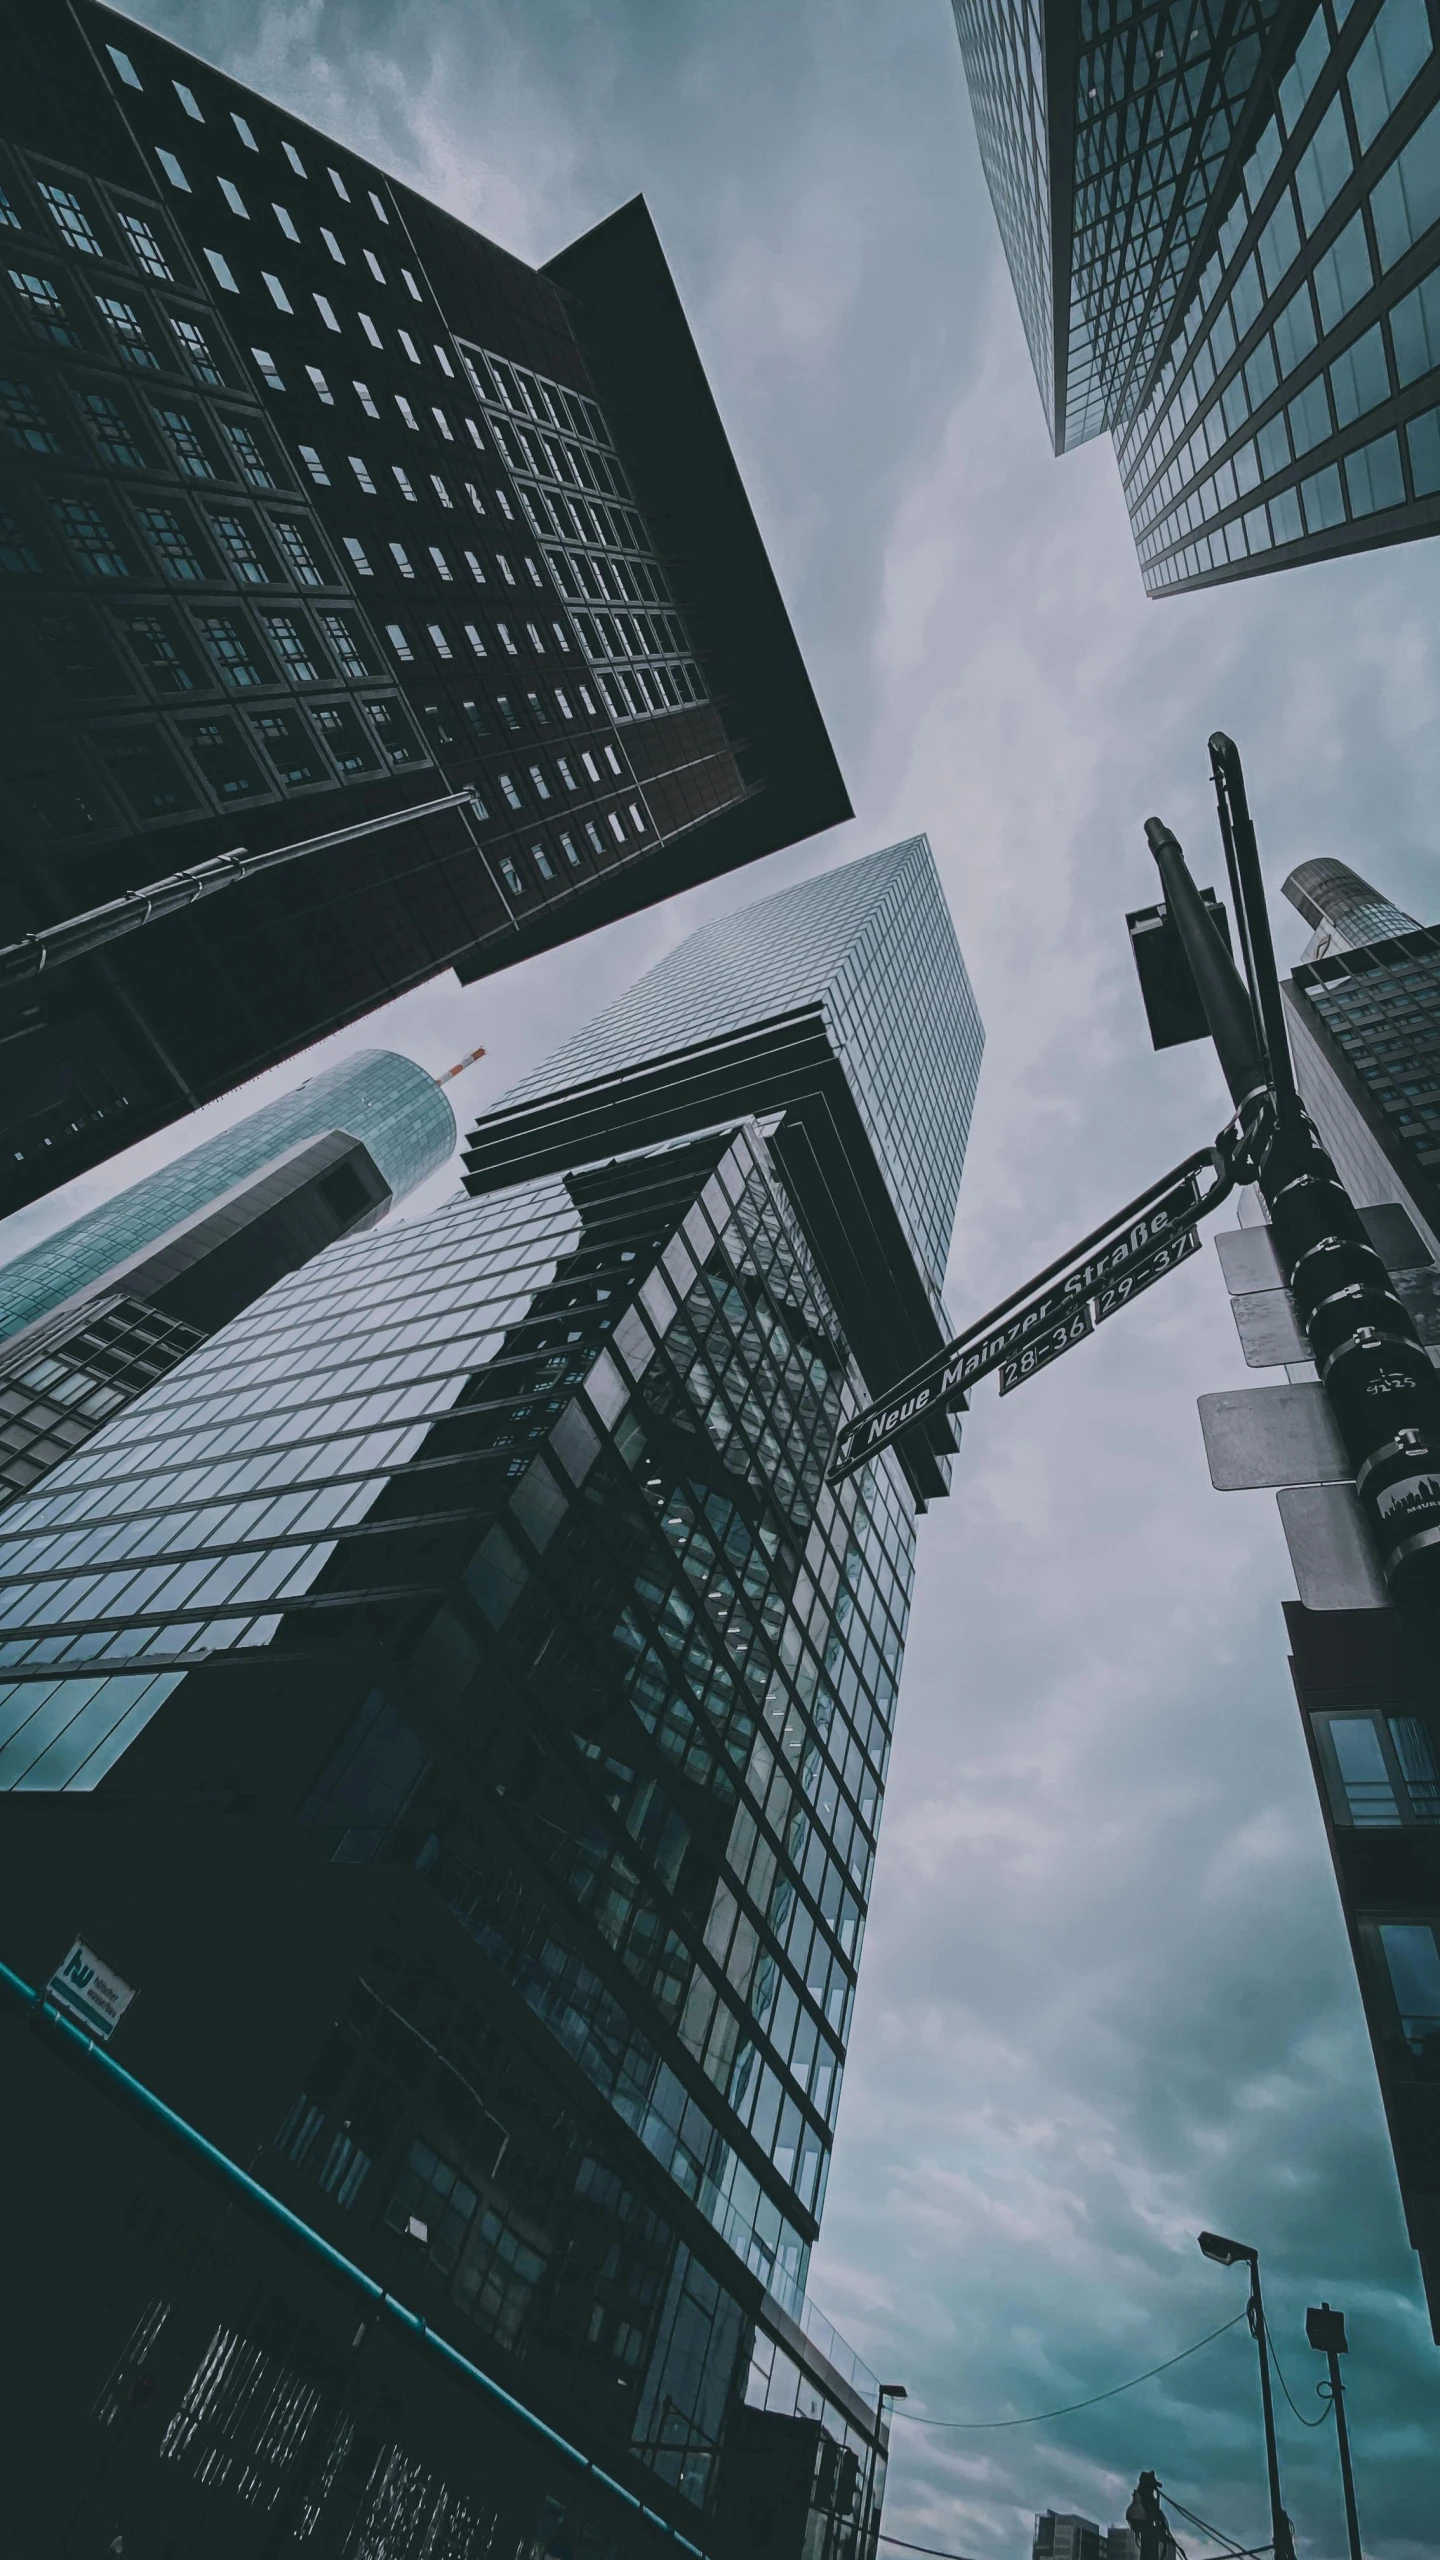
(1235, 2253)
(886, 2391)
(1325, 2329)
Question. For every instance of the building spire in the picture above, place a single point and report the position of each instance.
(459, 1067)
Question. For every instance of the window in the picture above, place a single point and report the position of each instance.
(475, 435)
(242, 128)
(511, 875)
(473, 494)
(637, 820)
(442, 565)
(616, 829)
(394, 732)
(373, 263)
(228, 766)
(188, 100)
(295, 552)
(506, 572)
(1407, 198)
(286, 225)
(342, 735)
(223, 275)
(124, 324)
(562, 705)
(612, 760)
(237, 549)
(512, 796)
(1374, 476)
(70, 219)
(506, 643)
(401, 558)
(542, 862)
(411, 286)
(1396, 48)
(320, 386)
(542, 787)
(368, 325)
(338, 183)
(478, 645)
(1360, 379)
(567, 843)
(441, 492)
(293, 156)
(1412, 1960)
(266, 363)
(194, 344)
(380, 213)
(125, 67)
(395, 634)
(407, 413)
(16, 557)
(246, 447)
(1423, 438)
(287, 744)
(168, 539)
(89, 538)
(1309, 416)
(441, 644)
(443, 423)
(44, 308)
(146, 249)
(173, 171)
(154, 645)
(228, 649)
(276, 291)
(402, 482)
(590, 764)
(408, 343)
(473, 565)
(325, 311)
(23, 420)
(314, 465)
(234, 198)
(183, 437)
(362, 475)
(362, 394)
(349, 654)
(292, 649)
(597, 844)
(356, 551)
(444, 363)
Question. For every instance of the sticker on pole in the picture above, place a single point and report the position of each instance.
(94, 1996)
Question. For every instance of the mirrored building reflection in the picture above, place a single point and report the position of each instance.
(1222, 222)
(478, 1599)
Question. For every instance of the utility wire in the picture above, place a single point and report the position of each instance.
(1237, 2551)
(979, 2426)
(1285, 2387)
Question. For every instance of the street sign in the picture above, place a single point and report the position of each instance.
(91, 1992)
(1002, 1346)
(1042, 1348)
(1143, 1274)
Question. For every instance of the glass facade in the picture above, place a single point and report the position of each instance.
(873, 947)
(393, 1107)
(1253, 235)
(621, 1389)
(1375, 1011)
(1342, 907)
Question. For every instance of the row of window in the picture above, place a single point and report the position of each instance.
(123, 328)
(237, 547)
(124, 237)
(242, 126)
(1369, 481)
(217, 445)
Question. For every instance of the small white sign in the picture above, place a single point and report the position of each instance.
(90, 1991)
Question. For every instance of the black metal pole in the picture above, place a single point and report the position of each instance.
(1378, 1378)
(1279, 2521)
(1347, 2476)
(52, 944)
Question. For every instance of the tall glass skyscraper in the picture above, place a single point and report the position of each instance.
(318, 506)
(1364, 1015)
(1222, 218)
(489, 1562)
(93, 1314)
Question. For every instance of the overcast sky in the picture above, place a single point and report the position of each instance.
(1107, 1998)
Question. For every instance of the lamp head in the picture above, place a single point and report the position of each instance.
(1226, 2253)
(893, 2391)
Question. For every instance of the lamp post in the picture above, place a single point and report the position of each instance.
(1325, 2329)
(1234, 2253)
(887, 2391)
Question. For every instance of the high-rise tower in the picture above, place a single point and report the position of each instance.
(1364, 1022)
(92, 1315)
(1223, 227)
(466, 1641)
(319, 506)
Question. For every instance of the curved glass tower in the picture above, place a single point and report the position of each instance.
(392, 1107)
